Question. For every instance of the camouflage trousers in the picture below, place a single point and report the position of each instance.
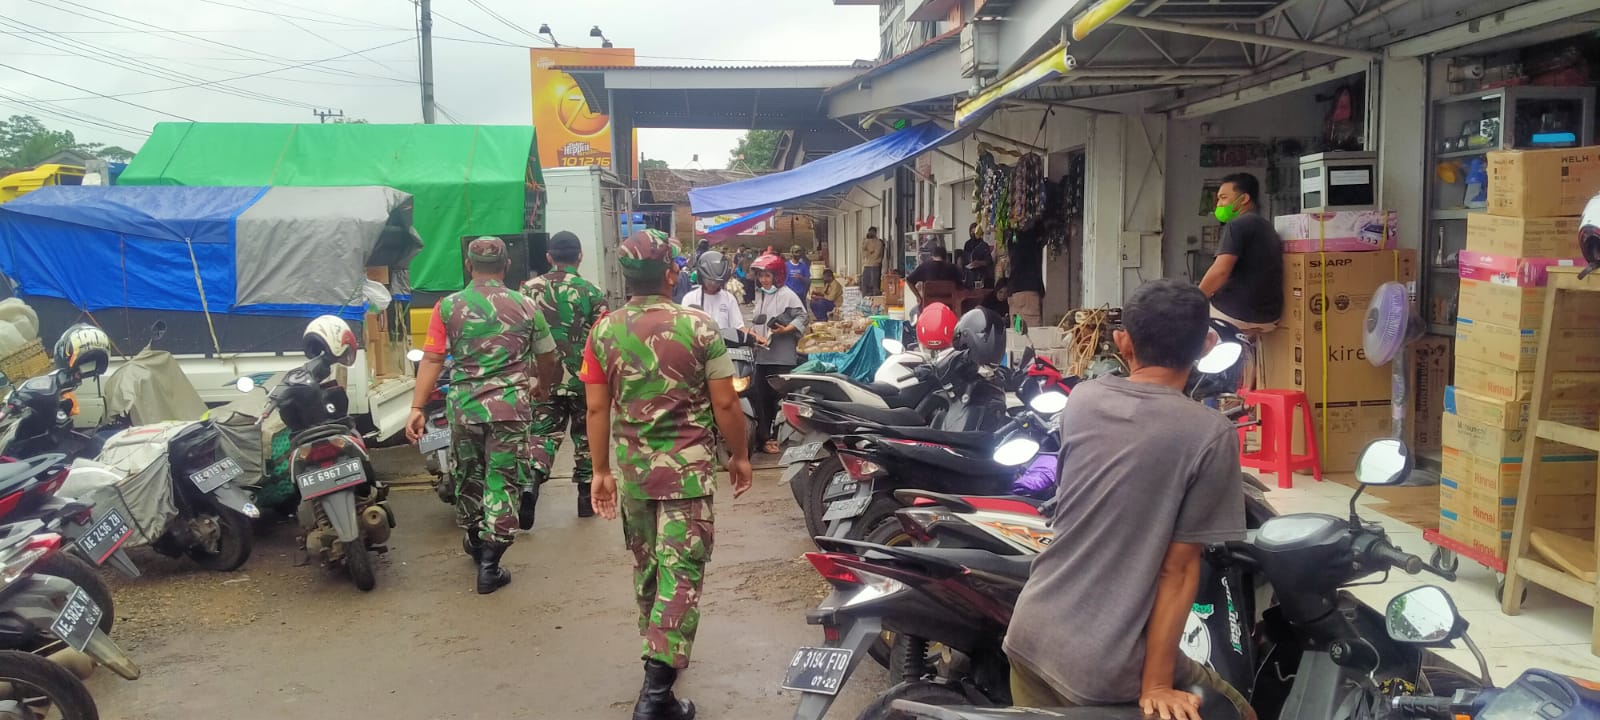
(671, 543)
(489, 467)
(561, 414)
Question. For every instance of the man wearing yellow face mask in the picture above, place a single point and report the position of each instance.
(1245, 282)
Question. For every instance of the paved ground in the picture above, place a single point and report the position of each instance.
(275, 640)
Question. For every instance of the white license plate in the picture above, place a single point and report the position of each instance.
(842, 509)
(840, 486)
(214, 475)
(104, 536)
(436, 439)
(343, 474)
(817, 670)
(741, 354)
(77, 621)
(800, 453)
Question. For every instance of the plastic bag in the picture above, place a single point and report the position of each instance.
(378, 297)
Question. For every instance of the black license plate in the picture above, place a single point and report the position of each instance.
(435, 439)
(340, 475)
(840, 486)
(104, 536)
(215, 474)
(77, 621)
(818, 670)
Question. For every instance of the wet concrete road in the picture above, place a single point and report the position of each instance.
(275, 641)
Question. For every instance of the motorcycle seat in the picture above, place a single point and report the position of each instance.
(14, 475)
(1213, 706)
(880, 416)
(972, 440)
(320, 432)
(1014, 567)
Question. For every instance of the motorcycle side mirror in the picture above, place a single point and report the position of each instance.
(1384, 462)
(893, 346)
(1048, 403)
(245, 384)
(1223, 356)
(415, 355)
(1424, 616)
(1016, 450)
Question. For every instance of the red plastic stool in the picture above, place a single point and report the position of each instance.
(1275, 409)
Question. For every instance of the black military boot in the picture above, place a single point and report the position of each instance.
(656, 701)
(472, 544)
(491, 576)
(529, 501)
(585, 508)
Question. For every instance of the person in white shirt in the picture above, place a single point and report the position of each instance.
(710, 298)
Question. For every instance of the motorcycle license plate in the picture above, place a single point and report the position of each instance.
(343, 474)
(741, 354)
(104, 536)
(77, 621)
(800, 453)
(840, 486)
(214, 475)
(842, 509)
(436, 439)
(817, 670)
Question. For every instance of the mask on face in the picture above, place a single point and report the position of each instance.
(769, 290)
(1226, 213)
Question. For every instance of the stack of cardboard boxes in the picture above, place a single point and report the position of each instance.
(1317, 347)
(1530, 225)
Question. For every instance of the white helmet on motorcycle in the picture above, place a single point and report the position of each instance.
(331, 335)
(83, 349)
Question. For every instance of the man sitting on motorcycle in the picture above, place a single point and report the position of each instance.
(1154, 479)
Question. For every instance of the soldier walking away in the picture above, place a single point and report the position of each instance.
(571, 305)
(664, 372)
(493, 333)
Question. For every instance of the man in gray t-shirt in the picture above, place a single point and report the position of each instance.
(1148, 478)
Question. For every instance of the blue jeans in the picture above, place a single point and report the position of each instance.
(820, 308)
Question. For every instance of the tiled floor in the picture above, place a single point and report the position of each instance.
(1552, 632)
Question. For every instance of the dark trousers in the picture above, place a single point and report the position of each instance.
(766, 400)
(872, 280)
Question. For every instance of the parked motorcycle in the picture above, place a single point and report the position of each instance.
(212, 524)
(37, 419)
(343, 508)
(435, 441)
(42, 613)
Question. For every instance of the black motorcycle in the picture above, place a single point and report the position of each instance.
(37, 419)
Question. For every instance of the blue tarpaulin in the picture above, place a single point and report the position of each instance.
(822, 177)
(862, 360)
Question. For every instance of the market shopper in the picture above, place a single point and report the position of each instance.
(1025, 281)
(938, 268)
(571, 305)
(711, 297)
(493, 333)
(872, 264)
(1245, 282)
(780, 320)
(798, 269)
(827, 296)
(1156, 476)
(978, 258)
(658, 377)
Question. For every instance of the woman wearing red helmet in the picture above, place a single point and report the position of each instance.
(778, 323)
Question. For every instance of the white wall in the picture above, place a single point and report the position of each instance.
(1292, 115)
(1402, 128)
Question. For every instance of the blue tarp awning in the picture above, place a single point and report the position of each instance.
(823, 177)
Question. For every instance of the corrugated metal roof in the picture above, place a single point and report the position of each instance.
(938, 41)
(859, 65)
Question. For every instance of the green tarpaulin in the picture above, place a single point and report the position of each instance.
(467, 180)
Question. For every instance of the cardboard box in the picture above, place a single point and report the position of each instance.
(1453, 495)
(1452, 526)
(1573, 350)
(1574, 406)
(1557, 512)
(1341, 231)
(1489, 540)
(1507, 305)
(1491, 379)
(1314, 328)
(1522, 236)
(1542, 183)
(1531, 272)
(1430, 375)
(1496, 444)
(1560, 475)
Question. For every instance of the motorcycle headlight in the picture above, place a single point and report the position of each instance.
(740, 384)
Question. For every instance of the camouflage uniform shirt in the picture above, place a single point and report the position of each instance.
(656, 356)
(493, 333)
(571, 305)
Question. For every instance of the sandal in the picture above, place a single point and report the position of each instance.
(771, 448)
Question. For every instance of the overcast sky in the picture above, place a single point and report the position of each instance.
(71, 53)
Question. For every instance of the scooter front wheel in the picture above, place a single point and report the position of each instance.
(235, 540)
(358, 562)
(37, 687)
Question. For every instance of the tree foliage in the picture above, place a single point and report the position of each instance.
(25, 142)
(757, 150)
(652, 164)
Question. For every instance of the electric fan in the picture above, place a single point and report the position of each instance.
(1392, 323)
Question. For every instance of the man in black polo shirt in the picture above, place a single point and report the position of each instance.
(1245, 282)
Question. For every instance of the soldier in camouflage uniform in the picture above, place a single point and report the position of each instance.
(664, 372)
(571, 305)
(493, 333)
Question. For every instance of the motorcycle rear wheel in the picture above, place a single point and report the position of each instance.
(916, 691)
(235, 540)
(40, 686)
(71, 567)
(358, 562)
(816, 485)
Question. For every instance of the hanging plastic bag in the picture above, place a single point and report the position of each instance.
(378, 297)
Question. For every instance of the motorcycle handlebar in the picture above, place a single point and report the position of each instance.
(1425, 707)
(1383, 551)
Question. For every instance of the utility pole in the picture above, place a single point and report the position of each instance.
(323, 115)
(426, 51)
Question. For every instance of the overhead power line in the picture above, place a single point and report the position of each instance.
(508, 23)
(129, 103)
(283, 15)
(43, 107)
(325, 39)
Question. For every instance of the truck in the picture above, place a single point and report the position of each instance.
(590, 202)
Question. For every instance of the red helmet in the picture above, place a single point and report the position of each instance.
(772, 264)
(936, 327)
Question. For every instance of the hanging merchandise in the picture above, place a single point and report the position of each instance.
(988, 190)
(1027, 191)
